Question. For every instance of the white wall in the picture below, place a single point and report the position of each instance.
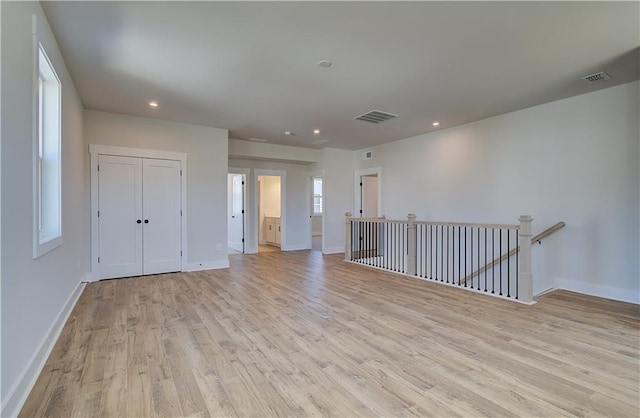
(338, 166)
(296, 216)
(206, 150)
(37, 295)
(316, 225)
(270, 195)
(247, 150)
(574, 160)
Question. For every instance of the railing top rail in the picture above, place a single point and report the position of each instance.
(378, 220)
(467, 224)
(461, 224)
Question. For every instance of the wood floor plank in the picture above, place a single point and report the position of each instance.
(302, 334)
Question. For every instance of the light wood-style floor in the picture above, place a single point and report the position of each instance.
(298, 333)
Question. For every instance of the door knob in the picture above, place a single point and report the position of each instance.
(138, 221)
(146, 221)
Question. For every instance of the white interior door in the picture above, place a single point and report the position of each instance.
(161, 208)
(236, 224)
(369, 196)
(119, 216)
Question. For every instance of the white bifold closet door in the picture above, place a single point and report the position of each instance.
(139, 219)
(161, 208)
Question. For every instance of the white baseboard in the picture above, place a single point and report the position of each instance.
(207, 265)
(17, 395)
(333, 250)
(615, 293)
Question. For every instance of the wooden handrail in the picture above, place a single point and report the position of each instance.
(511, 253)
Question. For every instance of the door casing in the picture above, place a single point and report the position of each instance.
(95, 151)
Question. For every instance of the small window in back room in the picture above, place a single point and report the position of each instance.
(47, 222)
(317, 195)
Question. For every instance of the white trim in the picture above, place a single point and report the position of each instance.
(247, 206)
(206, 265)
(40, 246)
(137, 152)
(424, 279)
(95, 151)
(17, 395)
(283, 204)
(310, 176)
(607, 292)
(333, 250)
(356, 183)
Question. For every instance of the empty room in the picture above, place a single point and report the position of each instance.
(319, 208)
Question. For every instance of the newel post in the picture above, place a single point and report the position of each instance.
(347, 227)
(525, 287)
(411, 244)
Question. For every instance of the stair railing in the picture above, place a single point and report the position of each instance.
(452, 253)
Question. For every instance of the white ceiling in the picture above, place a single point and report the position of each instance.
(250, 67)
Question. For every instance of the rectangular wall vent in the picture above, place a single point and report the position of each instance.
(596, 78)
(367, 155)
(376, 116)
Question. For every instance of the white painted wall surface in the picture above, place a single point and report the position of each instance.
(270, 196)
(316, 225)
(574, 160)
(338, 188)
(206, 150)
(239, 149)
(37, 295)
(296, 204)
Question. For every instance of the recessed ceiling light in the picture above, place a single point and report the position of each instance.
(153, 104)
(316, 131)
(436, 123)
(324, 64)
(288, 133)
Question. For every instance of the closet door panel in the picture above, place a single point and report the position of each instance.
(161, 197)
(120, 207)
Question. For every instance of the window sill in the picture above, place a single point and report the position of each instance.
(48, 244)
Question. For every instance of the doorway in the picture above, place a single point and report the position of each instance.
(236, 211)
(269, 191)
(317, 211)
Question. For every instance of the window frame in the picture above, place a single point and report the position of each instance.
(47, 152)
(315, 196)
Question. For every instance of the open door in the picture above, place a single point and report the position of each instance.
(369, 196)
(237, 212)
(369, 234)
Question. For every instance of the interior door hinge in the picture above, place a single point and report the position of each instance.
(242, 239)
(98, 259)
(180, 172)
(98, 214)
(242, 210)
(360, 184)
(180, 212)
(180, 253)
(243, 183)
(98, 167)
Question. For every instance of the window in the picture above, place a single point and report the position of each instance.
(317, 195)
(47, 222)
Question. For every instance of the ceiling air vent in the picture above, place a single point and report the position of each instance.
(376, 116)
(596, 78)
